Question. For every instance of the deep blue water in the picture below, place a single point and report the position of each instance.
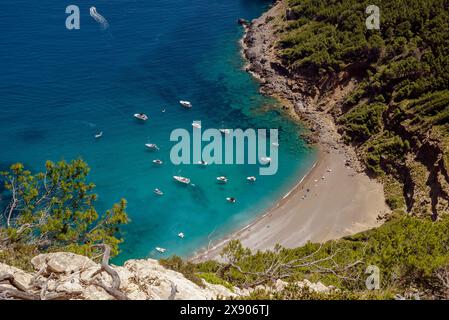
(59, 87)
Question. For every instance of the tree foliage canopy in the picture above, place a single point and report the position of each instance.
(54, 210)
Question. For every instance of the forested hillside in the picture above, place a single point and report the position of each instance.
(411, 254)
(397, 116)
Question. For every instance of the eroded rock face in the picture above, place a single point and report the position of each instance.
(77, 277)
(62, 262)
(22, 277)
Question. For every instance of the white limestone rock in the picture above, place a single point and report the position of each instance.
(22, 277)
(79, 276)
(62, 262)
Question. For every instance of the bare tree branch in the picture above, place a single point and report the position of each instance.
(173, 292)
(115, 289)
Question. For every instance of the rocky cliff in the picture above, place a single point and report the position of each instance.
(66, 275)
(385, 109)
(70, 276)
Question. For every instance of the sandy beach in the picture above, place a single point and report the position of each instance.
(331, 201)
(336, 198)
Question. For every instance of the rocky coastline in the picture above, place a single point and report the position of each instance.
(300, 96)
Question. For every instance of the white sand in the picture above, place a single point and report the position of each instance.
(343, 203)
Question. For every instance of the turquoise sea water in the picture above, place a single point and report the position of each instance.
(58, 88)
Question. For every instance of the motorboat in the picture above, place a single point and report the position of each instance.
(196, 125)
(202, 163)
(182, 179)
(152, 146)
(181, 235)
(186, 104)
(161, 250)
(225, 131)
(99, 135)
(251, 179)
(265, 160)
(231, 199)
(158, 192)
(141, 116)
(275, 144)
(157, 162)
(222, 179)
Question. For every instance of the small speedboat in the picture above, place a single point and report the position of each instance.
(251, 179)
(231, 199)
(182, 179)
(157, 162)
(196, 125)
(158, 192)
(222, 179)
(141, 116)
(186, 104)
(181, 235)
(99, 135)
(152, 146)
(265, 160)
(161, 250)
(202, 163)
(275, 144)
(225, 131)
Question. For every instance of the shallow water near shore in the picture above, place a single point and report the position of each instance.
(58, 88)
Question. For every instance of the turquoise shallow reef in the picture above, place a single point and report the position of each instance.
(58, 88)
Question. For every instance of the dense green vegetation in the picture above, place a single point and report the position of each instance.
(409, 252)
(397, 117)
(54, 211)
(398, 114)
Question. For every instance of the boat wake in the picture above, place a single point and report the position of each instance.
(99, 18)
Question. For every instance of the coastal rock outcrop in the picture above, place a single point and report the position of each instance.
(66, 275)
(78, 277)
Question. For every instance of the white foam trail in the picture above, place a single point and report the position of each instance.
(99, 18)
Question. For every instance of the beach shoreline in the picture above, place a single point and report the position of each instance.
(216, 246)
(329, 202)
(335, 198)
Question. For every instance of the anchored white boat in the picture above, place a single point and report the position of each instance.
(196, 125)
(231, 199)
(275, 144)
(186, 104)
(265, 160)
(182, 179)
(225, 131)
(152, 146)
(157, 162)
(161, 250)
(99, 135)
(251, 179)
(158, 192)
(222, 179)
(202, 163)
(141, 116)
(181, 235)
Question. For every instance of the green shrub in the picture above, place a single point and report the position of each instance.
(407, 250)
(214, 279)
(187, 268)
